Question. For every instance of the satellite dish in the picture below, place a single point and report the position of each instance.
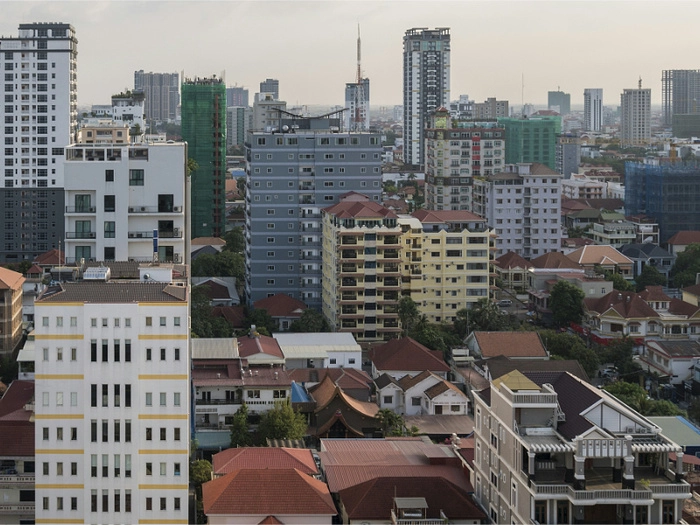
(146, 277)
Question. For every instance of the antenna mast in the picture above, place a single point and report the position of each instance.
(360, 112)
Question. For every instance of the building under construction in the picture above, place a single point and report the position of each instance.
(667, 190)
(204, 130)
(680, 92)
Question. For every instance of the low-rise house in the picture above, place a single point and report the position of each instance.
(646, 229)
(267, 496)
(202, 242)
(550, 448)
(422, 394)
(515, 345)
(681, 240)
(221, 291)
(406, 356)
(233, 459)
(648, 254)
(320, 350)
(674, 360)
(681, 431)
(355, 383)
(260, 349)
(615, 234)
(511, 269)
(605, 257)
(283, 309)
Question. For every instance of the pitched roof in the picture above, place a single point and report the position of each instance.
(443, 216)
(627, 304)
(207, 241)
(685, 237)
(407, 354)
(233, 459)
(373, 499)
(554, 260)
(214, 290)
(10, 280)
(511, 260)
(644, 251)
(345, 378)
(113, 292)
(385, 380)
(235, 315)
(654, 293)
(281, 305)
(259, 344)
(350, 209)
(326, 391)
(598, 254)
(50, 258)
(267, 492)
(510, 344)
(17, 423)
(409, 381)
(515, 381)
(442, 387)
(501, 365)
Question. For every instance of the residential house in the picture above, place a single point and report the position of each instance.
(551, 448)
(256, 496)
(681, 240)
(606, 257)
(515, 345)
(674, 360)
(260, 349)
(691, 294)
(648, 254)
(612, 233)
(10, 310)
(646, 228)
(406, 356)
(201, 242)
(283, 309)
(511, 269)
(422, 394)
(320, 350)
(221, 291)
(355, 383)
(233, 459)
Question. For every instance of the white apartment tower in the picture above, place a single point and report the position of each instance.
(112, 390)
(426, 84)
(39, 113)
(125, 202)
(592, 109)
(635, 116)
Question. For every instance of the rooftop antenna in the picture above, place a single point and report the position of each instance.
(358, 116)
(522, 94)
(640, 81)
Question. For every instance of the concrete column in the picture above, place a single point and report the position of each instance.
(531, 465)
(679, 466)
(579, 473)
(628, 474)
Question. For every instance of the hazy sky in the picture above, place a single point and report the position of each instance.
(310, 46)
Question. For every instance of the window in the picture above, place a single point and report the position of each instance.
(163, 435)
(149, 469)
(162, 504)
(93, 500)
(176, 434)
(127, 500)
(177, 354)
(162, 399)
(59, 503)
(149, 503)
(148, 354)
(415, 401)
(176, 399)
(162, 468)
(176, 321)
(162, 321)
(149, 399)
(162, 354)
(127, 396)
(135, 177)
(105, 465)
(45, 468)
(74, 503)
(176, 503)
(109, 175)
(59, 434)
(253, 394)
(110, 231)
(388, 400)
(177, 469)
(149, 321)
(73, 354)
(149, 434)
(74, 470)
(109, 203)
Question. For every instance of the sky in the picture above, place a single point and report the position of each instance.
(515, 50)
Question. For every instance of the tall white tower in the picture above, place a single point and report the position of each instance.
(592, 109)
(635, 113)
(357, 97)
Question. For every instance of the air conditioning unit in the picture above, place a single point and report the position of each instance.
(143, 208)
(131, 209)
(629, 429)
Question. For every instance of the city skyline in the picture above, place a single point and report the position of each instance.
(551, 45)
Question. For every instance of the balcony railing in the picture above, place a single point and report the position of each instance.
(165, 234)
(80, 235)
(155, 209)
(17, 508)
(80, 209)
(219, 401)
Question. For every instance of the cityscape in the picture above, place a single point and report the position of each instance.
(224, 303)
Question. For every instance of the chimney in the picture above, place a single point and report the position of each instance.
(276, 374)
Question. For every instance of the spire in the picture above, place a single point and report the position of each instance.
(359, 55)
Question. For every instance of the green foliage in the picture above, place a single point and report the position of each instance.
(310, 321)
(636, 398)
(200, 472)
(240, 433)
(686, 267)
(650, 276)
(204, 324)
(619, 352)
(694, 411)
(222, 264)
(9, 369)
(235, 241)
(566, 303)
(20, 267)
(408, 314)
(392, 423)
(564, 345)
(263, 321)
(390, 138)
(485, 315)
(619, 282)
(281, 422)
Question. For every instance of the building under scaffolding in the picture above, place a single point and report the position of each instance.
(667, 190)
(204, 130)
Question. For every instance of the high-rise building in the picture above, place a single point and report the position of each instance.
(635, 116)
(680, 93)
(236, 96)
(426, 85)
(162, 91)
(455, 155)
(204, 130)
(237, 124)
(532, 139)
(592, 109)
(40, 114)
(665, 190)
(559, 102)
(523, 204)
(266, 112)
(125, 202)
(490, 109)
(568, 155)
(290, 177)
(112, 386)
(271, 85)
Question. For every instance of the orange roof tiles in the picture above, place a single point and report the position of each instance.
(407, 354)
(598, 254)
(326, 391)
(443, 216)
(233, 459)
(50, 258)
(511, 260)
(10, 280)
(260, 344)
(281, 305)
(554, 260)
(685, 237)
(359, 209)
(510, 344)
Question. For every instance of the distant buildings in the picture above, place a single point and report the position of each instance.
(271, 85)
(680, 93)
(559, 102)
(204, 130)
(236, 96)
(426, 85)
(568, 155)
(532, 139)
(635, 116)
(357, 104)
(490, 109)
(267, 112)
(237, 125)
(592, 109)
(162, 92)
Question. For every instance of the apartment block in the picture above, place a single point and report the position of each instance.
(680, 92)
(10, 310)
(550, 448)
(454, 156)
(592, 109)
(40, 119)
(112, 397)
(236, 96)
(162, 94)
(237, 123)
(290, 177)
(490, 109)
(568, 155)
(523, 205)
(126, 202)
(635, 116)
(559, 102)
(532, 139)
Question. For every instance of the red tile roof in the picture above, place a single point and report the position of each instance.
(207, 241)
(443, 216)
(233, 459)
(267, 492)
(628, 305)
(260, 344)
(654, 293)
(345, 378)
(281, 305)
(16, 423)
(18, 394)
(326, 391)
(510, 344)
(554, 260)
(359, 209)
(685, 237)
(10, 280)
(373, 499)
(235, 315)
(50, 258)
(407, 354)
(270, 520)
(511, 260)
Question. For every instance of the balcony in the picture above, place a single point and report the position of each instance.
(24, 507)
(80, 235)
(175, 233)
(203, 402)
(81, 210)
(155, 209)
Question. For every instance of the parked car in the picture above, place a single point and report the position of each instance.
(505, 303)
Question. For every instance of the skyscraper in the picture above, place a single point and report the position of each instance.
(271, 85)
(635, 116)
(236, 96)
(592, 109)
(426, 84)
(559, 101)
(680, 93)
(204, 130)
(162, 91)
(40, 115)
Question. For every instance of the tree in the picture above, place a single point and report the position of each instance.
(204, 324)
(200, 473)
(636, 398)
(240, 433)
(620, 353)
(687, 266)
(566, 303)
(694, 411)
(192, 166)
(408, 314)
(222, 264)
(310, 321)
(281, 422)
(568, 346)
(650, 276)
(263, 321)
(392, 423)
(235, 241)
(484, 315)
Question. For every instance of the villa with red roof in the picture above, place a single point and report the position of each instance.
(514, 345)
(233, 459)
(422, 394)
(268, 496)
(260, 349)
(283, 309)
(406, 356)
(511, 269)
